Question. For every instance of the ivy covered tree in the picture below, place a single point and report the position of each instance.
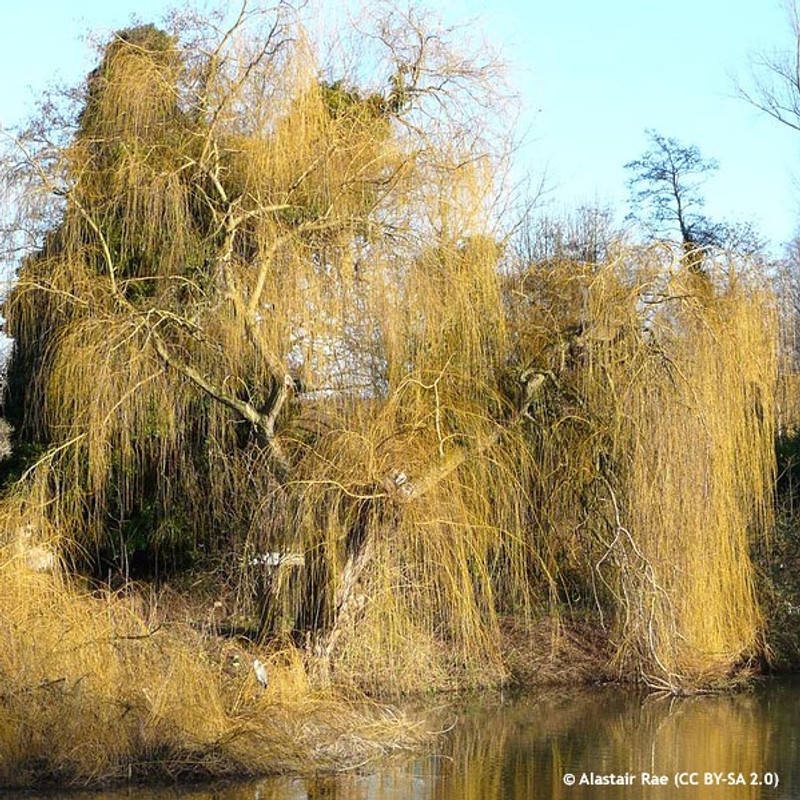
(226, 332)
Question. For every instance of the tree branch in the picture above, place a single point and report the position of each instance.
(265, 423)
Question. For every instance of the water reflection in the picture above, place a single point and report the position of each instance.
(527, 751)
(524, 749)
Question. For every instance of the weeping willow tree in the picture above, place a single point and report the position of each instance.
(656, 470)
(270, 317)
(261, 301)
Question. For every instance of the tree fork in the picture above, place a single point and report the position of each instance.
(264, 422)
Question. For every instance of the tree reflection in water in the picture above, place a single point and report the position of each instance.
(521, 750)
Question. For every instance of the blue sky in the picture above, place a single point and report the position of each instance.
(592, 77)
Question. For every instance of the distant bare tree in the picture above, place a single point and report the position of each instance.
(582, 236)
(666, 198)
(774, 84)
(665, 192)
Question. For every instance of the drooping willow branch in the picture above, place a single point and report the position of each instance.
(263, 422)
(402, 491)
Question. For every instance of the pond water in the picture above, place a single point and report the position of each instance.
(529, 748)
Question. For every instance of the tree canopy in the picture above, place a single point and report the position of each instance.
(272, 317)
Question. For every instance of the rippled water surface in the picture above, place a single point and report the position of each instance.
(732, 746)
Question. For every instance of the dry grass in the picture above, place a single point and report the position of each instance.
(558, 652)
(92, 693)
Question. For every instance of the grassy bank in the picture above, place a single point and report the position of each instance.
(96, 688)
(152, 684)
(101, 688)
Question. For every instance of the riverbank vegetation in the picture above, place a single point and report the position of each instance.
(292, 379)
(97, 689)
